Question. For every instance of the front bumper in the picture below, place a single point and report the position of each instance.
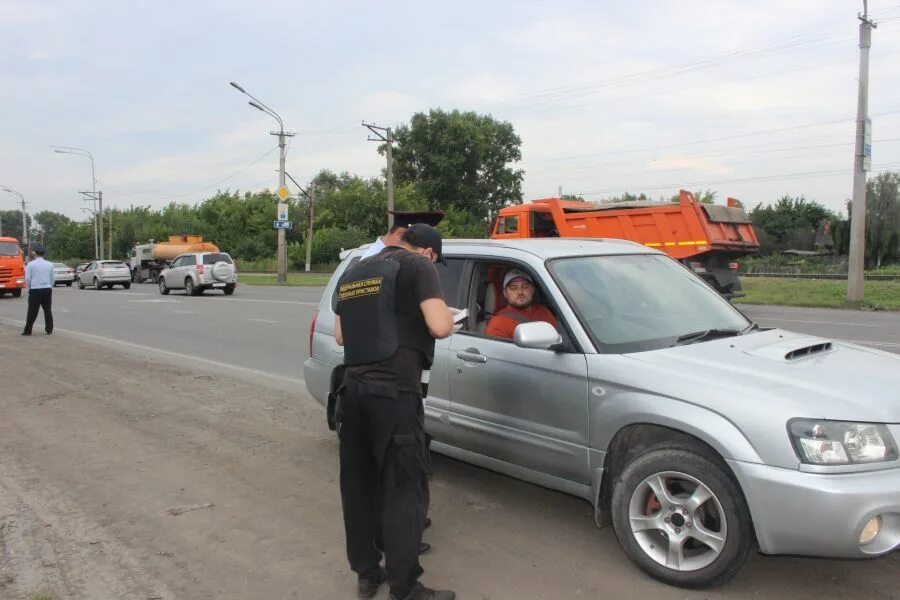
(814, 514)
(13, 284)
(116, 279)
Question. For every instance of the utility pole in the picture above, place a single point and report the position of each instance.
(110, 235)
(560, 192)
(100, 219)
(861, 164)
(388, 138)
(281, 247)
(92, 195)
(309, 231)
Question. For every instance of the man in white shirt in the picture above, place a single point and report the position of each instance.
(39, 279)
(402, 221)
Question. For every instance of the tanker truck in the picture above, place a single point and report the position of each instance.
(147, 260)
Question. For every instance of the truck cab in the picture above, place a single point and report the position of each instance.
(12, 267)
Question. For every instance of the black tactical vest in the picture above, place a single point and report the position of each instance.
(367, 307)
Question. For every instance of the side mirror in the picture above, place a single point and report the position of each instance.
(537, 335)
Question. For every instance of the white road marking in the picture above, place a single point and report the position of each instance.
(156, 301)
(868, 343)
(821, 322)
(263, 321)
(169, 353)
(183, 312)
(273, 301)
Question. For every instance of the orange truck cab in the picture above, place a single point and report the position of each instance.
(707, 238)
(12, 267)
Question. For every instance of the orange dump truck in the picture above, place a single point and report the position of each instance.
(147, 260)
(12, 267)
(707, 238)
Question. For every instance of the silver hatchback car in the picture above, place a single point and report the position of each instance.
(697, 435)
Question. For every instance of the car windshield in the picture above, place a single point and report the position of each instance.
(211, 259)
(113, 265)
(9, 249)
(643, 302)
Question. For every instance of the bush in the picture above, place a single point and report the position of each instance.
(327, 245)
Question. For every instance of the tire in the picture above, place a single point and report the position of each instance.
(126, 285)
(229, 289)
(109, 286)
(721, 518)
(17, 293)
(98, 285)
(163, 289)
(68, 284)
(80, 284)
(154, 276)
(189, 288)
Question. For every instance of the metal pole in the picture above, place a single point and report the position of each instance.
(97, 244)
(309, 230)
(24, 221)
(282, 256)
(390, 178)
(855, 276)
(110, 235)
(100, 219)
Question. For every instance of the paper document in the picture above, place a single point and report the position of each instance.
(460, 315)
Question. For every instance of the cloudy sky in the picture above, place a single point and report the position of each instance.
(751, 99)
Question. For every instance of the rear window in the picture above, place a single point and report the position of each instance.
(9, 249)
(211, 259)
(113, 265)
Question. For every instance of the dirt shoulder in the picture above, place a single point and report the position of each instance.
(127, 477)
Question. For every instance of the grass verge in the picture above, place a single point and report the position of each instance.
(293, 279)
(822, 293)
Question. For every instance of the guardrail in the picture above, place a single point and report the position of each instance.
(820, 276)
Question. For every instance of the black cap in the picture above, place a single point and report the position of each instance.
(421, 235)
(39, 249)
(404, 218)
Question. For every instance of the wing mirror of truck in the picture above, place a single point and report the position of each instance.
(537, 335)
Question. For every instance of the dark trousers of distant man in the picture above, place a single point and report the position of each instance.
(383, 485)
(38, 299)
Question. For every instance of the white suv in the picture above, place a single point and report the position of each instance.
(198, 271)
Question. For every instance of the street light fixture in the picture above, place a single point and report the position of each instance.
(259, 105)
(98, 213)
(24, 216)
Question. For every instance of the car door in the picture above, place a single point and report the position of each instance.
(87, 276)
(524, 407)
(173, 277)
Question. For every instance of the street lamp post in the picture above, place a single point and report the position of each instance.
(259, 105)
(24, 216)
(98, 212)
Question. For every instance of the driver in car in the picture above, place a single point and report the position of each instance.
(518, 289)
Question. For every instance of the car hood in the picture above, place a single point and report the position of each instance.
(787, 373)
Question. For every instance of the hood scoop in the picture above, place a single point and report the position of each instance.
(794, 349)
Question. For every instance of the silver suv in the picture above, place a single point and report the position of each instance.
(697, 435)
(196, 272)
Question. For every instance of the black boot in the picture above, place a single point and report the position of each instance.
(420, 592)
(367, 585)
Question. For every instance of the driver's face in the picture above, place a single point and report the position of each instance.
(519, 293)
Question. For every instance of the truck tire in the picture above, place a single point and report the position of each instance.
(679, 514)
(17, 293)
(68, 284)
(126, 285)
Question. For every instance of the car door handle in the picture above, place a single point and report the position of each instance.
(471, 355)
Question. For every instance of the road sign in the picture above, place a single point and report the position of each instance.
(284, 224)
(283, 192)
(282, 211)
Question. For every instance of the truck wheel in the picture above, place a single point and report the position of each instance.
(126, 285)
(109, 286)
(68, 284)
(189, 288)
(163, 289)
(681, 517)
(17, 293)
(97, 284)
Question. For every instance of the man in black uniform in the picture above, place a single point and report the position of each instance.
(390, 310)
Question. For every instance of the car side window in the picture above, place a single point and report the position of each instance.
(451, 276)
(350, 265)
(486, 297)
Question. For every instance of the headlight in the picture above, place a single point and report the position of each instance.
(841, 443)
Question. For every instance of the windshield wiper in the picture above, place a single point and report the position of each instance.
(749, 328)
(697, 336)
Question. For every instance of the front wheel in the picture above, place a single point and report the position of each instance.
(681, 517)
(126, 285)
(163, 289)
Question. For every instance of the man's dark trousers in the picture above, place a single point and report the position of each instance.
(383, 480)
(38, 299)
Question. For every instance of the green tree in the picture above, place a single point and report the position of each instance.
(459, 160)
(789, 223)
(882, 218)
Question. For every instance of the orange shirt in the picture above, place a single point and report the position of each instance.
(503, 325)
